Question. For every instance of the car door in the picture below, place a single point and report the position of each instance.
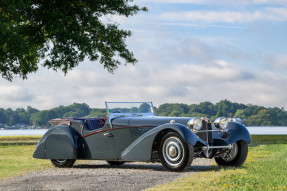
(121, 134)
(99, 143)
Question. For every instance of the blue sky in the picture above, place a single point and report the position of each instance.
(188, 51)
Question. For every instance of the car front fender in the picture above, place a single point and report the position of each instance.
(59, 142)
(141, 148)
(237, 132)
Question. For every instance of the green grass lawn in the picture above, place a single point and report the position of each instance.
(268, 139)
(264, 169)
(17, 160)
(20, 140)
(16, 156)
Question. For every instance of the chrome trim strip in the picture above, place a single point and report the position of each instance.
(219, 130)
(217, 147)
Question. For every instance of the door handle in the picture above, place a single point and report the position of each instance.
(108, 134)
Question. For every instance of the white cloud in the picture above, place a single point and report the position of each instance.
(280, 61)
(184, 83)
(221, 2)
(272, 14)
(164, 74)
(15, 94)
(276, 62)
(180, 67)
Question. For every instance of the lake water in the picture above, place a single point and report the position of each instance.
(14, 132)
(252, 131)
(267, 130)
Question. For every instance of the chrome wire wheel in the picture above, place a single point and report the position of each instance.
(235, 157)
(173, 151)
(231, 154)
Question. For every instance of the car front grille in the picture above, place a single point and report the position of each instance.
(205, 136)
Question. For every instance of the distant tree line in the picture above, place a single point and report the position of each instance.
(254, 115)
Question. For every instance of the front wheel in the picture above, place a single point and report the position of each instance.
(63, 163)
(175, 154)
(235, 157)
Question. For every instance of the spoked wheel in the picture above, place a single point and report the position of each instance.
(63, 163)
(116, 162)
(175, 154)
(235, 157)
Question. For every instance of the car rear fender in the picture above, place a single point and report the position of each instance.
(59, 142)
(237, 132)
(141, 148)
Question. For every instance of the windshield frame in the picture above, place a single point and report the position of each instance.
(115, 115)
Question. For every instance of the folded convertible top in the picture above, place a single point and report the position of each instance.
(60, 121)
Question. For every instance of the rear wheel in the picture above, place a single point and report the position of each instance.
(115, 162)
(63, 163)
(175, 154)
(235, 157)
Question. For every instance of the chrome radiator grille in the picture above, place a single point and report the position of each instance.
(205, 136)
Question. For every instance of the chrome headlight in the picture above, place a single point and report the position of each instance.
(221, 122)
(195, 123)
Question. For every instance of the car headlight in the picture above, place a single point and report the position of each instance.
(221, 122)
(195, 123)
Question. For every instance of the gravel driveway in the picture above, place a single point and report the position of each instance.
(98, 175)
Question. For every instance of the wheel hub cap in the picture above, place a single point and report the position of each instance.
(172, 151)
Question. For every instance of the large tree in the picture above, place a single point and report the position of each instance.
(62, 34)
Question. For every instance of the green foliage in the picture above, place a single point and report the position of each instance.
(42, 117)
(11, 116)
(144, 108)
(3, 118)
(75, 110)
(96, 112)
(62, 33)
(253, 115)
(172, 109)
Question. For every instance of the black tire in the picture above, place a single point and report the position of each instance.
(233, 158)
(174, 153)
(116, 162)
(63, 163)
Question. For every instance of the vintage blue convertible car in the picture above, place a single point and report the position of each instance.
(132, 132)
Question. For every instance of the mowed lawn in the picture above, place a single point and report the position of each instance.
(16, 156)
(19, 140)
(265, 169)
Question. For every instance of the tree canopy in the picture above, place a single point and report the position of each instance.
(62, 34)
(254, 115)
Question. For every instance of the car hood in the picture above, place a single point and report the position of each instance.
(148, 121)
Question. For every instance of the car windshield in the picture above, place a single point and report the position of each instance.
(130, 108)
